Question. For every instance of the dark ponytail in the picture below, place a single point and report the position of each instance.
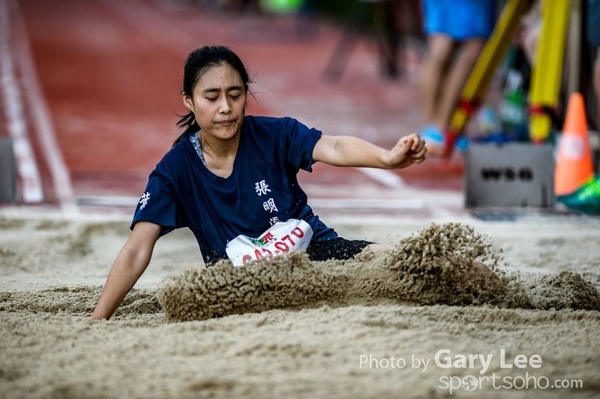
(196, 64)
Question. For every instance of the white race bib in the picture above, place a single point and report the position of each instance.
(282, 237)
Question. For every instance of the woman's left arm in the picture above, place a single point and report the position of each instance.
(353, 151)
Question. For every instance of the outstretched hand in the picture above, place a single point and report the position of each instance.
(409, 150)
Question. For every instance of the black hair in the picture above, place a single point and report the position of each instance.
(196, 64)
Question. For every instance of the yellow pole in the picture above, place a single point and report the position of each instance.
(547, 71)
(483, 71)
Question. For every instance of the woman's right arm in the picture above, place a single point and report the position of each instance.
(131, 262)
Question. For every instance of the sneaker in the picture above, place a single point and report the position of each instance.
(435, 140)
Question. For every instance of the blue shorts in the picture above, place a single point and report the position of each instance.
(460, 19)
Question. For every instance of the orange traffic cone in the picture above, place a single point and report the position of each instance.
(574, 163)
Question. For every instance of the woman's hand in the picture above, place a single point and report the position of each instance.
(409, 150)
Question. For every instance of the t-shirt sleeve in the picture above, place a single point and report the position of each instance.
(157, 205)
(299, 143)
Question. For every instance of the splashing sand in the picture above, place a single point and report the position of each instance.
(223, 289)
(442, 264)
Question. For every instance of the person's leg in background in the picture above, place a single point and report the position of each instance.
(434, 70)
(528, 35)
(467, 54)
(464, 26)
(433, 73)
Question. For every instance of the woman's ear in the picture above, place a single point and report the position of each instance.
(187, 101)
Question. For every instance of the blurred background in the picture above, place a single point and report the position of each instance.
(93, 89)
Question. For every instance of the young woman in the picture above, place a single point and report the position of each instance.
(231, 179)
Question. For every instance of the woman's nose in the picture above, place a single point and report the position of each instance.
(224, 106)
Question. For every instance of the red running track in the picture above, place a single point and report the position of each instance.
(103, 87)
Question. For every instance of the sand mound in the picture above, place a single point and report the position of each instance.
(75, 301)
(567, 290)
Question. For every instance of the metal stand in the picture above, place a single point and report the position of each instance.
(8, 172)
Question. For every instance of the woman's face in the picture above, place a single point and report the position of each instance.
(218, 102)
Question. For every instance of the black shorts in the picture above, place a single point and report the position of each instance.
(338, 248)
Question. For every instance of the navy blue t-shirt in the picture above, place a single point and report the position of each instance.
(261, 190)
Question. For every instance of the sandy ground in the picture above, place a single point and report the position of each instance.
(388, 326)
(403, 324)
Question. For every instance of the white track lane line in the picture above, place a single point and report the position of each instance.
(34, 95)
(384, 177)
(30, 182)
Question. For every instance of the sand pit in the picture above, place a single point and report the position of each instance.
(381, 325)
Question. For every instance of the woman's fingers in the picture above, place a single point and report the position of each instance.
(420, 152)
(418, 143)
(419, 156)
